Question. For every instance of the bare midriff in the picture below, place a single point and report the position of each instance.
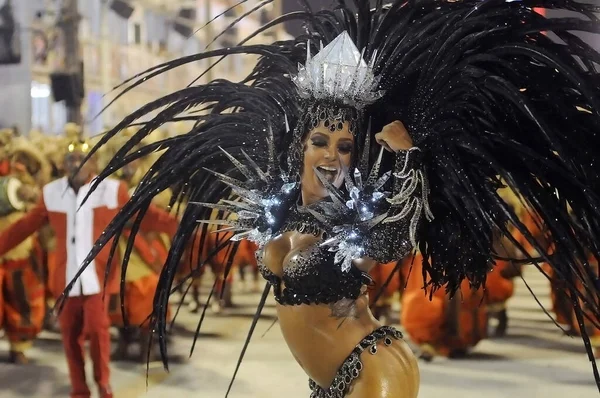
(321, 342)
(322, 336)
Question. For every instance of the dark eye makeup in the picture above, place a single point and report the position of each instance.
(321, 141)
(345, 147)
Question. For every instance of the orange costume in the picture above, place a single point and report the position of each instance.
(440, 325)
(22, 290)
(380, 274)
(140, 282)
(149, 252)
(244, 255)
(498, 287)
(561, 303)
(23, 305)
(146, 260)
(77, 225)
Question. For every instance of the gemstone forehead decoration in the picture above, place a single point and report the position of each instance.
(338, 73)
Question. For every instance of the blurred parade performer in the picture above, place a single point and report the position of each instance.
(250, 277)
(387, 281)
(499, 286)
(22, 289)
(441, 325)
(53, 148)
(595, 330)
(148, 254)
(223, 258)
(6, 136)
(77, 224)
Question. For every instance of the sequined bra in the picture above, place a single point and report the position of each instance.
(311, 277)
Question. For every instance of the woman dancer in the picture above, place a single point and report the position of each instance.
(375, 131)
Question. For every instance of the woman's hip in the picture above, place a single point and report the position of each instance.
(381, 365)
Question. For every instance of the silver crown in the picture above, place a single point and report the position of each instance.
(338, 73)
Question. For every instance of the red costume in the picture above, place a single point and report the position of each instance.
(141, 279)
(24, 300)
(22, 288)
(77, 226)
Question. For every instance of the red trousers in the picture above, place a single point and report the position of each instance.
(81, 317)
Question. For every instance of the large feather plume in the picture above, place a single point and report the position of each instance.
(493, 93)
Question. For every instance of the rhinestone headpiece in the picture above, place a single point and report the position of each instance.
(338, 73)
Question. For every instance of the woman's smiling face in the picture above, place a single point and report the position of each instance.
(331, 154)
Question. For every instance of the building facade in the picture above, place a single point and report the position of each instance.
(118, 41)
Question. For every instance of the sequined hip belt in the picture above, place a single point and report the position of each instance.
(352, 366)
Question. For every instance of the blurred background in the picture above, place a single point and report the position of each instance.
(60, 60)
(70, 53)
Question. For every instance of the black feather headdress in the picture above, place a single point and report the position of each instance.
(494, 93)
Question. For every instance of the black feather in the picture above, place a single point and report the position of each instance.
(486, 90)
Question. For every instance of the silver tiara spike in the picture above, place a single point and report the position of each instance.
(338, 73)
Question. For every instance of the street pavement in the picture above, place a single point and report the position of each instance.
(534, 360)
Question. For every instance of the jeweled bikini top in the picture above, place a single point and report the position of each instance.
(311, 275)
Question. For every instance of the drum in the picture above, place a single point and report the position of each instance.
(9, 200)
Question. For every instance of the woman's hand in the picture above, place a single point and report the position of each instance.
(28, 194)
(394, 137)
